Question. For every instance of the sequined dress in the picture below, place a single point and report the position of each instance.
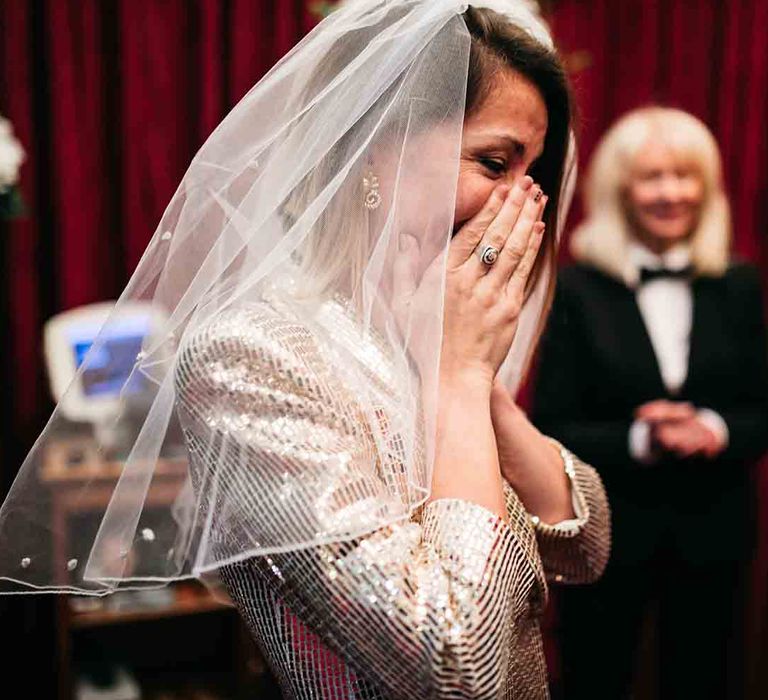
(445, 603)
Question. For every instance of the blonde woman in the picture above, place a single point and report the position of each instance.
(654, 369)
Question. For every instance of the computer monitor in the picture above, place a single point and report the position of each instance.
(107, 370)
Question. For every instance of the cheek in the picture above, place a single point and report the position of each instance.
(472, 192)
(641, 195)
(694, 194)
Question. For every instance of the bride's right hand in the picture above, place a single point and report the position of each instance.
(483, 302)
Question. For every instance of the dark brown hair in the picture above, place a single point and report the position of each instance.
(498, 45)
(495, 45)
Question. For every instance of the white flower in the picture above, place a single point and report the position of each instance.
(11, 156)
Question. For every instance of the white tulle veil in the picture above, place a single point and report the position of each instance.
(377, 89)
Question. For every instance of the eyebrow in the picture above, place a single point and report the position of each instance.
(513, 144)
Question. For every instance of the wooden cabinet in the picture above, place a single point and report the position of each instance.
(162, 630)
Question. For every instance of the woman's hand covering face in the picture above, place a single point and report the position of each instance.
(482, 302)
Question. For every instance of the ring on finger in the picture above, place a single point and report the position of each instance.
(488, 254)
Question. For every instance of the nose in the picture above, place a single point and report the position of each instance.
(671, 188)
(516, 174)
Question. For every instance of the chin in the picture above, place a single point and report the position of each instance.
(669, 232)
(671, 236)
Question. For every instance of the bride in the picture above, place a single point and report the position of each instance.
(352, 277)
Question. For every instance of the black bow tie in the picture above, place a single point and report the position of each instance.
(649, 274)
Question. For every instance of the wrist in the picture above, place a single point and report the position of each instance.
(528, 453)
(546, 491)
(640, 441)
(467, 381)
(714, 422)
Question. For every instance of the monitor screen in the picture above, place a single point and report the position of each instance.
(109, 366)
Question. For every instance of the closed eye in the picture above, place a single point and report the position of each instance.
(496, 166)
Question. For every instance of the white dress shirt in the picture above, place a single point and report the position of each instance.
(666, 306)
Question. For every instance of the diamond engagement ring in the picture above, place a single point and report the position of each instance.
(488, 254)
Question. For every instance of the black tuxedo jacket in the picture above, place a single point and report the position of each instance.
(597, 366)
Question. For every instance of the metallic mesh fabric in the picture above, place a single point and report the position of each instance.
(444, 604)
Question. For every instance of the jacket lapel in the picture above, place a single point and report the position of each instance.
(705, 329)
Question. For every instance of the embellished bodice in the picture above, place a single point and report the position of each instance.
(311, 500)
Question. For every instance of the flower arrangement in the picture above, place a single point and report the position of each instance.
(11, 158)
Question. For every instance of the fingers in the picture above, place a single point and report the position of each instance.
(522, 243)
(714, 447)
(662, 410)
(673, 439)
(471, 233)
(685, 439)
(500, 229)
(522, 271)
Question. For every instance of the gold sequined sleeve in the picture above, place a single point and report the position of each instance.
(576, 551)
(423, 608)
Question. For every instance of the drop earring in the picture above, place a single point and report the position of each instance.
(372, 198)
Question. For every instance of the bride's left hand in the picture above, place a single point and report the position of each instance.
(529, 461)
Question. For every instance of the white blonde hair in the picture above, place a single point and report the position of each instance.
(602, 239)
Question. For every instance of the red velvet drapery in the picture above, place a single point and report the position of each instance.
(111, 100)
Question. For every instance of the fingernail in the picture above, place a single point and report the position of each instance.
(525, 183)
(537, 194)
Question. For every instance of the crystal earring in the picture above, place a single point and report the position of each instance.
(372, 198)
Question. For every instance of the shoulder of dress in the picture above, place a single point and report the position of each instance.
(253, 343)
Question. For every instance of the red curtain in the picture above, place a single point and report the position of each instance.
(112, 99)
